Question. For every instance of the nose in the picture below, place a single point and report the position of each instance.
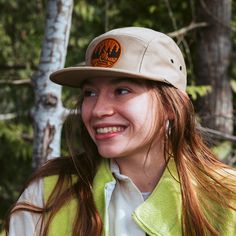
(103, 107)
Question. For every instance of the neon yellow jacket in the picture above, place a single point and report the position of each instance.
(159, 215)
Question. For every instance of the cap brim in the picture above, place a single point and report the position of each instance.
(74, 76)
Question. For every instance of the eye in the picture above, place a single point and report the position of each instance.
(89, 93)
(122, 91)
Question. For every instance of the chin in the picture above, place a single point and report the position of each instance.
(109, 153)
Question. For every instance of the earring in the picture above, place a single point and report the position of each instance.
(168, 128)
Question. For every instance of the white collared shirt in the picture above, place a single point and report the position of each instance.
(124, 200)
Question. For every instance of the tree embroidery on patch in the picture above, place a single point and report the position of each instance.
(106, 53)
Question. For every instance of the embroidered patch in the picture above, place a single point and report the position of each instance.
(106, 53)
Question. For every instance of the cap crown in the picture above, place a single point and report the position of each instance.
(141, 51)
(132, 52)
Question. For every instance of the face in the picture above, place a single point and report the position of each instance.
(119, 116)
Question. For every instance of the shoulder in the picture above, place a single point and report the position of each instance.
(23, 222)
(33, 194)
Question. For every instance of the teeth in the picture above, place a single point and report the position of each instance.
(106, 130)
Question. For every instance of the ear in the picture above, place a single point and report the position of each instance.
(169, 123)
(168, 128)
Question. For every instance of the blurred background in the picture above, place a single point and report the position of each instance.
(204, 29)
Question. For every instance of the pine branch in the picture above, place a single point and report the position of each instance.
(218, 134)
(16, 67)
(27, 137)
(186, 29)
(8, 116)
(16, 82)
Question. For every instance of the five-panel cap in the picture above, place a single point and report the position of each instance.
(132, 52)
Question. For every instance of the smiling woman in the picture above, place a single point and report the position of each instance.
(143, 168)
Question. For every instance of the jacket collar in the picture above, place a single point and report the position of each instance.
(160, 214)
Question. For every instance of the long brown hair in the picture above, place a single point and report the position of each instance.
(205, 182)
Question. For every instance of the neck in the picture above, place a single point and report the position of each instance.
(144, 170)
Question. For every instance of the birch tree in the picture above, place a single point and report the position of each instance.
(48, 112)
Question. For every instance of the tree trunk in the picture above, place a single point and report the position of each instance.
(48, 110)
(213, 59)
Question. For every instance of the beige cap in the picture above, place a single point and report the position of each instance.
(132, 52)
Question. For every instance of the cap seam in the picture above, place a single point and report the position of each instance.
(141, 63)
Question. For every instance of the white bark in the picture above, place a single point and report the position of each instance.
(48, 110)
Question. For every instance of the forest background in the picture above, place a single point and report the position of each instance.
(204, 29)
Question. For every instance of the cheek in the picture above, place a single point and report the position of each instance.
(85, 114)
(139, 113)
(152, 115)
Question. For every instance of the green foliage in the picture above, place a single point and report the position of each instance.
(198, 90)
(15, 163)
(21, 29)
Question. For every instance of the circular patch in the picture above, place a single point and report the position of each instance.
(106, 53)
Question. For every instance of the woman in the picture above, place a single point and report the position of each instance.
(144, 169)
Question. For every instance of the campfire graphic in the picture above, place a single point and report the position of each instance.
(106, 53)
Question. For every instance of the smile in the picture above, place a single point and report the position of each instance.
(107, 130)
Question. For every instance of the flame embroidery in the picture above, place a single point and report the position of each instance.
(106, 53)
